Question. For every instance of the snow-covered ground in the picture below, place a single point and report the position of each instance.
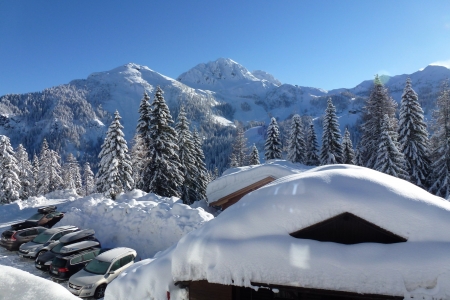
(260, 223)
(145, 222)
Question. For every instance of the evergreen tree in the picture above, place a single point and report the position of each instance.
(115, 174)
(186, 154)
(240, 148)
(296, 142)
(88, 179)
(9, 179)
(49, 178)
(413, 137)
(201, 177)
(440, 168)
(141, 142)
(233, 161)
(378, 104)
(35, 175)
(312, 148)
(254, 156)
(163, 176)
(71, 175)
(331, 151)
(25, 172)
(348, 156)
(272, 147)
(389, 159)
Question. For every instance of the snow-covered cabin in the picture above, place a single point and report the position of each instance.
(332, 232)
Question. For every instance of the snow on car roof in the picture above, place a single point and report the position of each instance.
(250, 241)
(110, 255)
(60, 228)
(79, 246)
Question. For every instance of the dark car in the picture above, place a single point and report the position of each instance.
(12, 239)
(43, 261)
(46, 217)
(64, 266)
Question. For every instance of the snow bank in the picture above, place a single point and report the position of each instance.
(145, 222)
(18, 284)
(235, 179)
(250, 241)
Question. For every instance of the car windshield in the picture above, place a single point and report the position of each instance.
(42, 238)
(35, 217)
(57, 248)
(97, 266)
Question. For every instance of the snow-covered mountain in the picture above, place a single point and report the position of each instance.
(74, 117)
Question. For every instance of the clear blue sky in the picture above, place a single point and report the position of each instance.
(326, 44)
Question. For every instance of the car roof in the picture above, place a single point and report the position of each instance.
(69, 257)
(76, 235)
(60, 228)
(112, 254)
(78, 246)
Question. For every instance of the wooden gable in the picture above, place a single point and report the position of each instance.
(234, 197)
(348, 229)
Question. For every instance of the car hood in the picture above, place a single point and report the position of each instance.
(31, 246)
(83, 278)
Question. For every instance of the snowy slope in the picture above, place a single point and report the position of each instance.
(260, 223)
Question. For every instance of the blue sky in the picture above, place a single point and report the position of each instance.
(326, 44)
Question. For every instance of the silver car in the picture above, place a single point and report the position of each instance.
(45, 241)
(99, 272)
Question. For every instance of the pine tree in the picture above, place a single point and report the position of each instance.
(348, 156)
(254, 156)
(35, 175)
(71, 175)
(201, 177)
(141, 142)
(312, 148)
(378, 104)
(331, 151)
(115, 174)
(296, 142)
(25, 172)
(413, 137)
(9, 179)
(272, 147)
(389, 159)
(440, 168)
(240, 148)
(88, 180)
(233, 161)
(49, 178)
(186, 154)
(163, 176)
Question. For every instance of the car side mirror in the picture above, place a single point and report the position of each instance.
(112, 272)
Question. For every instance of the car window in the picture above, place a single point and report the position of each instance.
(42, 238)
(59, 262)
(57, 248)
(97, 267)
(126, 260)
(76, 260)
(31, 232)
(57, 236)
(116, 265)
(88, 256)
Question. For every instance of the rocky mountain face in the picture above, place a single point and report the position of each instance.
(74, 117)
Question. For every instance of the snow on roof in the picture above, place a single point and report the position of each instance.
(235, 179)
(18, 284)
(110, 255)
(250, 241)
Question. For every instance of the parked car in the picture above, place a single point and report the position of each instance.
(45, 241)
(12, 239)
(43, 261)
(64, 266)
(46, 217)
(99, 272)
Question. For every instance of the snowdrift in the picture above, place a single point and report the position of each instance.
(250, 241)
(18, 284)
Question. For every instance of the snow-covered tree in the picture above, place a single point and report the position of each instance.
(254, 156)
(389, 159)
(49, 178)
(25, 172)
(115, 174)
(71, 175)
(378, 104)
(88, 180)
(312, 148)
(413, 137)
(163, 175)
(35, 175)
(141, 142)
(240, 148)
(296, 142)
(348, 154)
(202, 178)
(186, 154)
(272, 147)
(331, 151)
(9, 179)
(233, 161)
(440, 168)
